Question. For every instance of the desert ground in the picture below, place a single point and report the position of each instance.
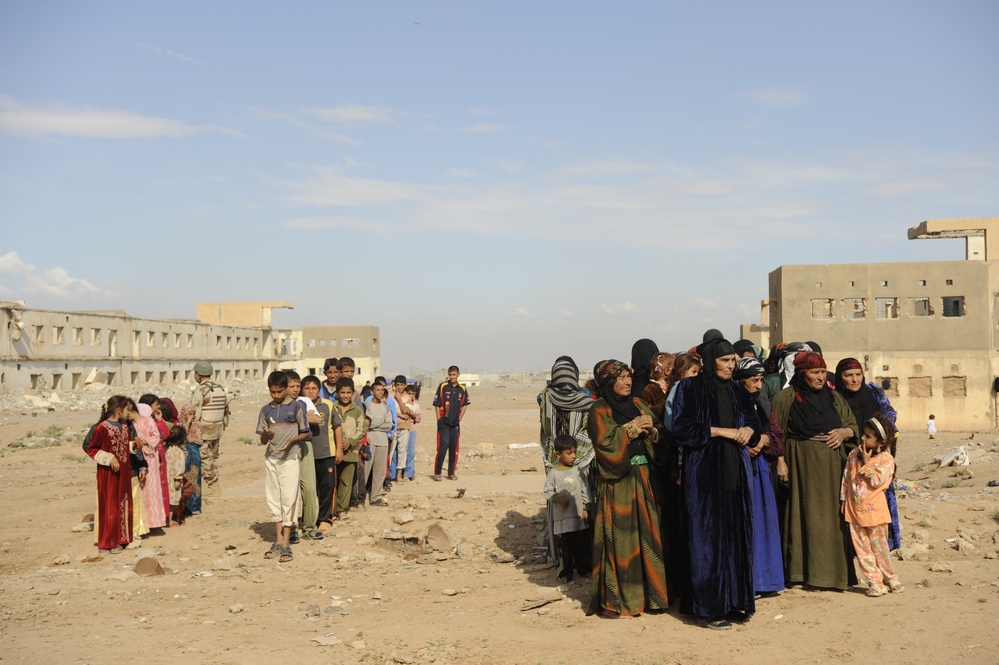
(371, 591)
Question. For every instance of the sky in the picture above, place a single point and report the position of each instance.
(493, 184)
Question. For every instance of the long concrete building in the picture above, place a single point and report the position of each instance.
(63, 350)
(928, 328)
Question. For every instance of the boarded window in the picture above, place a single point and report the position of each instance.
(887, 308)
(955, 386)
(889, 384)
(953, 306)
(920, 386)
(854, 309)
(822, 308)
(920, 307)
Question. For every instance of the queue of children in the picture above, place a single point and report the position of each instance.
(679, 472)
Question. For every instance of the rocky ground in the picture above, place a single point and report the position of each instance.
(375, 591)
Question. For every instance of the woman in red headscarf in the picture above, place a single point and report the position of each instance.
(814, 422)
(629, 576)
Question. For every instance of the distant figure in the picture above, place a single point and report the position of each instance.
(206, 422)
(450, 402)
(931, 426)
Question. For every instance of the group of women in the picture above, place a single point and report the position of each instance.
(704, 488)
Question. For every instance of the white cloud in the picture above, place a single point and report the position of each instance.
(624, 308)
(55, 282)
(330, 186)
(524, 313)
(482, 128)
(60, 120)
(360, 115)
(167, 52)
(327, 222)
(308, 128)
(777, 96)
(704, 303)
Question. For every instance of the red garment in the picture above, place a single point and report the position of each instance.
(114, 488)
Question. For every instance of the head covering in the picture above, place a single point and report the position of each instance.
(642, 352)
(145, 410)
(203, 368)
(167, 402)
(861, 401)
(606, 372)
(748, 367)
(563, 391)
(760, 352)
(711, 351)
(743, 345)
(814, 346)
(807, 360)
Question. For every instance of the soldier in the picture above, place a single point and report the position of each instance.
(206, 422)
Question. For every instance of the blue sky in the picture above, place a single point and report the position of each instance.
(493, 184)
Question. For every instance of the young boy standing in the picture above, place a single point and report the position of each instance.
(568, 500)
(327, 448)
(355, 429)
(331, 368)
(450, 402)
(307, 474)
(281, 427)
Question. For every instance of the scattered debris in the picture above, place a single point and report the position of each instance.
(148, 566)
(956, 457)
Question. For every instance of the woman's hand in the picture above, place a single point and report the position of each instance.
(643, 422)
(142, 476)
(836, 437)
(115, 464)
(782, 473)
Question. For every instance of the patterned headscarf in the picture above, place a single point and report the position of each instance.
(564, 390)
(748, 367)
(807, 360)
(607, 373)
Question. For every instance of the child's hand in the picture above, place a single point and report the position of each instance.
(142, 476)
(586, 516)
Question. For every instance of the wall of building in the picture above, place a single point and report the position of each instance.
(928, 327)
(358, 342)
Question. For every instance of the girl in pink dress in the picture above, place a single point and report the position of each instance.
(868, 472)
(153, 498)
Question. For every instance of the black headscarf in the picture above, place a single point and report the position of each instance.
(606, 373)
(812, 411)
(861, 402)
(724, 399)
(641, 365)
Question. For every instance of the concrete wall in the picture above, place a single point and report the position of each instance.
(45, 349)
(937, 364)
(362, 343)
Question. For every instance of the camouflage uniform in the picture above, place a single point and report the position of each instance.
(209, 420)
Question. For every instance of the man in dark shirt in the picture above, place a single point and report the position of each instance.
(450, 403)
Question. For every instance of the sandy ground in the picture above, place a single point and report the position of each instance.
(371, 592)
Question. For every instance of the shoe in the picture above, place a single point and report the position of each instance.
(387, 487)
(273, 552)
(380, 502)
(294, 538)
(436, 477)
(895, 586)
(452, 477)
(714, 624)
(286, 555)
(313, 534)
(875, 591)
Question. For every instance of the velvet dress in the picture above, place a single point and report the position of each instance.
(718, 522)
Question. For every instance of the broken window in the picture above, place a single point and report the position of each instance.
(822, 308)
(887, 308)
(854, 309)
(953, 306)
(920, 386)
(955, 386)
(920, 307)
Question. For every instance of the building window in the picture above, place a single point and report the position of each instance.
(40, 334)
(228, 342)
(176, 377)
(149, 377)
(953, 306)
(78, 336)
(322, 342)
(920, 307)
(176, 340)
(920, 386)
(950, 282)
(150, 338)
(95, 337)
(921, 282)
(955, 386)
(57, 382)
(852, 283)
(134, 378)
(310, 343)
(818, 285)
(884, 282)
(889, 384)
(218, 341)
(350, 341)
(332, 342)
(854, 309)
(190, 341)
(58, 336)
(822, 308)
(887, 308)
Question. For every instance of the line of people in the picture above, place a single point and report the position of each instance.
(694, 483)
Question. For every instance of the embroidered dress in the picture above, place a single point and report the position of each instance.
(155, 501)
(114, 488)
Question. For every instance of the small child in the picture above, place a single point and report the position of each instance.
(869, 470)
(568, 497)
(282, 426)
(931, 426)
(176, 457)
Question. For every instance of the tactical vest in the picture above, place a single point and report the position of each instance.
(213, 417)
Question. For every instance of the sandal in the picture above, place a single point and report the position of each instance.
(286, 555)
(875, 591)
(313, 534)
(895, 586)
(273, 551)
